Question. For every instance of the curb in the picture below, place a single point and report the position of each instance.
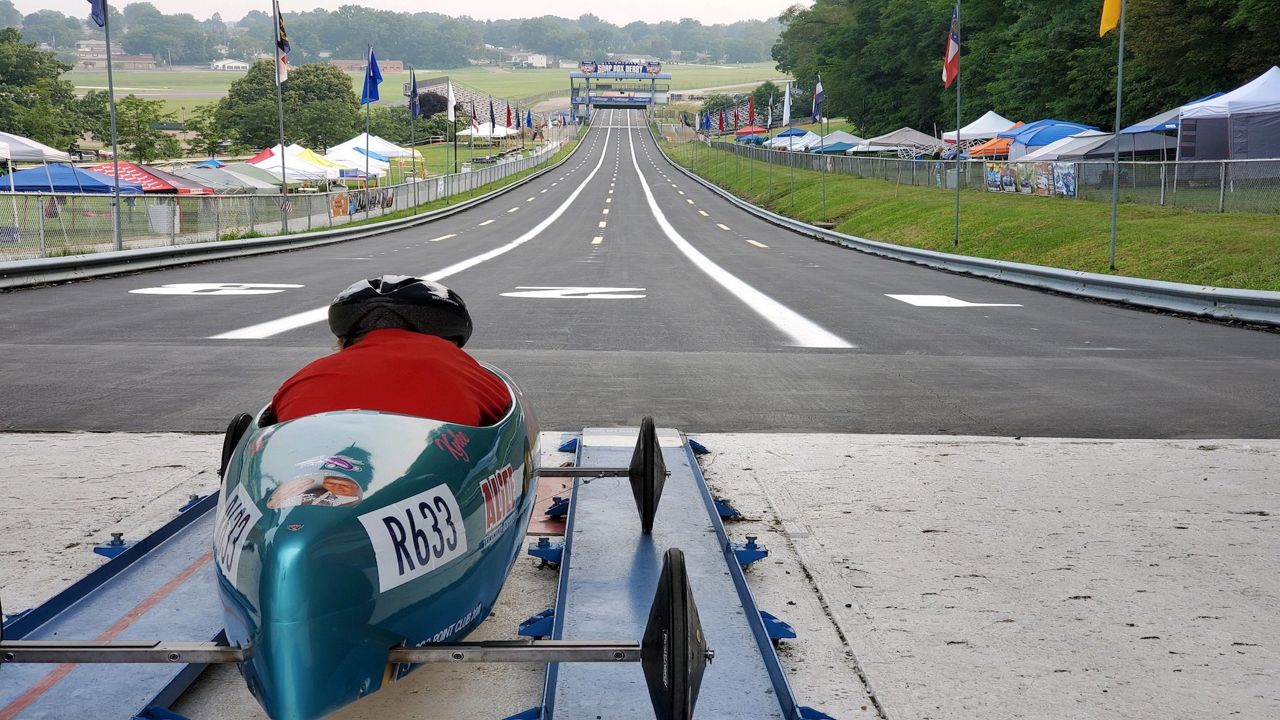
(1261, 307)
(23, 273)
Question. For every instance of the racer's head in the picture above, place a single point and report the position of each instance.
(399, 302)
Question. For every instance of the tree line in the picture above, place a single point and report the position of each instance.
(321, 110)
(421, 39)
(881, 60)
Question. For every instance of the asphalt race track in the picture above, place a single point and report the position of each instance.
(616, 287)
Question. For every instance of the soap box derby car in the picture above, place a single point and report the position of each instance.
(353, 546)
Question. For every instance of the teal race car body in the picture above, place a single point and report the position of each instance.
(342, 535)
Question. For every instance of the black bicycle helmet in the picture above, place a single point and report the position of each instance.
(400, 301)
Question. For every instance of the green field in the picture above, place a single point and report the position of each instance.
(189, 87)
(1237, 250)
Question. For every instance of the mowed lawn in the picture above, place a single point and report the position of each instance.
(189, 87)
(1235, 250)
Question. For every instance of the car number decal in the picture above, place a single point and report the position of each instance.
(415, 536)
(236, 517)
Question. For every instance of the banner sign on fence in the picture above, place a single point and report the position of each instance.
(1042, 178)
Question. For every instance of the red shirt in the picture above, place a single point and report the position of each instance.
(397, 371)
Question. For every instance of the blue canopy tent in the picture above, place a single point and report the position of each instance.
(1040, 133)
(211, 163)
(753, 139)
(68, 179)
(372, 155)
(791, 132)
(833, 148)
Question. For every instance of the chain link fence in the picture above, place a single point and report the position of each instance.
(1247, 186)
(36, 225)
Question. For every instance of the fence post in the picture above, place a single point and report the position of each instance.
(1162, 179)
(1222, 185)
(40, 216)
(328, 208)
(310, 210)
(174, 218)
(217, 221)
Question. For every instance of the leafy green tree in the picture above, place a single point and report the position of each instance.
(51, 26)
(208, 134)
(764, 93)
(9, 15)
(320, 107)
(34, 100)
(136, 121)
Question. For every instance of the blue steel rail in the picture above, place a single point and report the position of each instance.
(160, 588)
(607, 578)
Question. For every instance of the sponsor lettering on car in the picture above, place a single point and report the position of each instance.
(501, 492)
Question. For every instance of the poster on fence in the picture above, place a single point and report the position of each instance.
(1064, 179)
(339, 205)
(1042, 178)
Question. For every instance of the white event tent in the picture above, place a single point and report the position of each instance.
(1239, 125)
(26, 150)
(297, 169)
(984, 128)
(795, 143)
(840, 136)
(375, 144)
(350, 157)
(488, 131)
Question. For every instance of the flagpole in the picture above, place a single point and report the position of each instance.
(822, 145)
(118, 238)
(368, 192)
(413, 138)
(1115, 160)
(284, 176)
(956, 242)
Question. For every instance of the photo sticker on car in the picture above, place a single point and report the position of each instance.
(415, 536)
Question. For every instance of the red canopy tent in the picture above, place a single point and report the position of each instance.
(150, 181)
(750, 130)
(260, 157)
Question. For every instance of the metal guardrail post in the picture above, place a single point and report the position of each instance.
(1222, 186)
(40, 218)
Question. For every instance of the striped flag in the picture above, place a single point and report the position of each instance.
(951, 63)
(819, 96)
(282, 45)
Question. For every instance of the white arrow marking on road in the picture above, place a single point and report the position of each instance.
(574, 293)
(320, 314)
(944, 301)
(215, 289)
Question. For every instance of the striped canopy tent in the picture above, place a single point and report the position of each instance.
(152, 180)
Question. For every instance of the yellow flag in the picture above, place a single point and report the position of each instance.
(1110, 16)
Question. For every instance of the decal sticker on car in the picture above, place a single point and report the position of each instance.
(415, 536)
(236, 516)
(454, 443)
(501, 492)
(317, 489)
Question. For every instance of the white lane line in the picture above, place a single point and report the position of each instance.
(610, 192)
(603, 223)
(486, 222)
(943, 301)
(703, 213)
(689, 200)
(443, 237)
(680, 191)
(555, 183)
(757, 243)
(529, 200)
(597, 240)
(542, 190)
(722, 226)
(608, 200)
(605, 211)
(272, 328)
(802, 331)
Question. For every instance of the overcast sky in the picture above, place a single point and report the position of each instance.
(619, 13)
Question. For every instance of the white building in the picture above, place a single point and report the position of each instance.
(229, 64)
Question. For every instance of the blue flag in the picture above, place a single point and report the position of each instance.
(528, 119)
(414, 107)
(372, 78)
(493, 119)
(98, 11)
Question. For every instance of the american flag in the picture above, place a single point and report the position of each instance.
(951, 64)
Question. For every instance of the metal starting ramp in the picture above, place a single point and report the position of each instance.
(160, 587)
(608, 571)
